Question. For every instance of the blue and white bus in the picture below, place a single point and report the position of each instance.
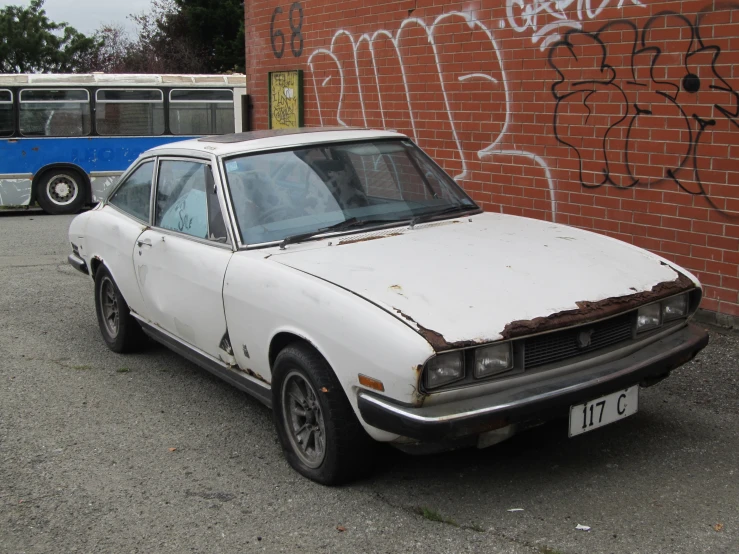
(64, 139)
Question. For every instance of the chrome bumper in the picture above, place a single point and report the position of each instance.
(78, 263)
(543, 399)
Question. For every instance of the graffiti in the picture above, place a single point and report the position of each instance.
(546, 16)
(284, 102)
(296, 35)
(410, 81)
(184, 220)
(650, 119)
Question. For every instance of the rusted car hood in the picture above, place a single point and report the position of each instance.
(487, 277)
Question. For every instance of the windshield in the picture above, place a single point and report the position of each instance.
(280, 194)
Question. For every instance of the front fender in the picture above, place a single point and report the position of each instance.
(263, 298)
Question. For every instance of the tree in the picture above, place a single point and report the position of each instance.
(113, 50)
(31, 43)
(164, 44)
(175, 36)
(218, 27)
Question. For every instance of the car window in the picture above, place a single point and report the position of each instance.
(186, 200)
(283, 193)
(134, 195)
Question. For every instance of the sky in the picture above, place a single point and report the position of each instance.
(87, 15)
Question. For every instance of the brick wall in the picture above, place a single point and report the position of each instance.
(619, 116)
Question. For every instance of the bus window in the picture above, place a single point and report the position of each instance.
(201, 112)
(130, 112)
(55, 112)
(6, 113)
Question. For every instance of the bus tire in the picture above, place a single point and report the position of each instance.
(61, 191)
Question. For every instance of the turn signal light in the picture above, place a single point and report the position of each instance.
(371, 383)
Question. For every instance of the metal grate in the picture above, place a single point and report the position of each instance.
(560, 345)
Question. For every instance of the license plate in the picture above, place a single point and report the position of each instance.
(604, 410)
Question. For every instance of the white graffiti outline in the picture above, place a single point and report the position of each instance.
(529, 16)
(477, 76)
(493, 149)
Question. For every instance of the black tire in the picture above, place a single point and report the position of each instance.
(347, 452)
(61, 191)
(121, 332)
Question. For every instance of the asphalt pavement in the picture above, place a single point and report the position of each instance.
(101, 452)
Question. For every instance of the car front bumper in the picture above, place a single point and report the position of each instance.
(77, 263)
(543, 399)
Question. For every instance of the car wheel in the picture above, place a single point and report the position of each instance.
(61, 192)
(319, 432)
(120, 330)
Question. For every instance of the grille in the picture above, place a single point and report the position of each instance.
(560, 345)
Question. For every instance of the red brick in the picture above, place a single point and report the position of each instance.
(653, 212)
(729, 308)
(711, 279)
(723, 242)
(709, 304)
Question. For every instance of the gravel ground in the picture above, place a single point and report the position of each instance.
(101, 452)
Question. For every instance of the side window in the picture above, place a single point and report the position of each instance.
(122, 112)
(6, 113)
(201, 112)
(55, 112)
(134, 195)
(217, 226)
(186, 201)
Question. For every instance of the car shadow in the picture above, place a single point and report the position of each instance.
(542, 451)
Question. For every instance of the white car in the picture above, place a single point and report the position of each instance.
(342, 278)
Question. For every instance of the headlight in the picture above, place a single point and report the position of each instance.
(494, 359)
(648, 317)
(443, 369)
(675, 307)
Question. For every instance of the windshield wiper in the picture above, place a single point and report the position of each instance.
(449, 210)
(340, 226)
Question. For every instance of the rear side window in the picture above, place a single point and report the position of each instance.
(131, 112)
(6, 113)
(201, 112)
(134, 195)
(55, 112)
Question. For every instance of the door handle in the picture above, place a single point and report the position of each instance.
(144, 242)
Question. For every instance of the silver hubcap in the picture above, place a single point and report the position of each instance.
(109, 306)
(62, 190)
(303, 419)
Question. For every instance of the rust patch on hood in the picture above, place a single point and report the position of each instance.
(434, 338)
(587, 311)
(405, 316)
(439, 343)
(365, 239)
(591, 311)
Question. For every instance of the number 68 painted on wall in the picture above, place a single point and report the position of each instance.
(295, 36)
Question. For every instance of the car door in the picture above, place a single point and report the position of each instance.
(181, 261)
(114, 236)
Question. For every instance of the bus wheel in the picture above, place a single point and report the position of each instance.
(60, 191)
